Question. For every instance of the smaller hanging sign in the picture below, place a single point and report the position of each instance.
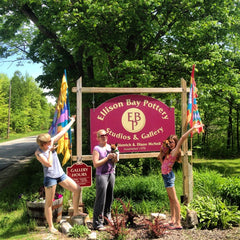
(81, 174)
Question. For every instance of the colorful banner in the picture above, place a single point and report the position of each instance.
(60, 120)
(193, 115)
(137, 123)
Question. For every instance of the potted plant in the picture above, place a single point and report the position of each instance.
(35, 206)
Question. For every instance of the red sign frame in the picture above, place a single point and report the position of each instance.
(137, 123)
(81, 173)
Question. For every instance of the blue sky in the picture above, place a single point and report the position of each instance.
(32, 69)
(9, 68)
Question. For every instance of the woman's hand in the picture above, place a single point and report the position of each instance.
(111, 155)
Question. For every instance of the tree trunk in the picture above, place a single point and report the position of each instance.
(238, 149)
(229, 131)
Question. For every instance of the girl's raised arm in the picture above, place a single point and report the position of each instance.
(184, 137)
(64, 130)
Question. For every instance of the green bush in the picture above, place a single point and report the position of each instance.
(230, 191)
(215, 213)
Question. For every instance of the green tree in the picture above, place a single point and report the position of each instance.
(29, 107)
(3, 106)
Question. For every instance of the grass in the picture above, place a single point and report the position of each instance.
(227, 167)
(146, 193)
(14, 136)
(15, 225)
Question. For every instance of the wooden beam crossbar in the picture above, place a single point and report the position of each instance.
(129, 155)
(128, 90)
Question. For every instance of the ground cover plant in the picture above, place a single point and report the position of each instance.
(215, 213)
(79, 231)
(230, 191)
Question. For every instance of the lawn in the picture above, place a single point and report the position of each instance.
(227, 167)
(14, 136)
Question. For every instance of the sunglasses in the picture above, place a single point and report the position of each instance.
(104, 135)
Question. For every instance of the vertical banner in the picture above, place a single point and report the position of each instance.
(137, 123)
(61, 119)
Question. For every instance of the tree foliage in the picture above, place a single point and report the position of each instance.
(29, 108)
(135, 43)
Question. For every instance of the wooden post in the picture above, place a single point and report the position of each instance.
(79, 125)
(187, 167)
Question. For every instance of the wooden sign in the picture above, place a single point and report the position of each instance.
(137, 123)
(81, 174)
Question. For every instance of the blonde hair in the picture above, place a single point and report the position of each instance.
(99, 131)
(43, 138)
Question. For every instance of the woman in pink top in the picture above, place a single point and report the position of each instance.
(167, 159)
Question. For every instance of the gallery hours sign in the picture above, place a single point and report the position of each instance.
(81, 174)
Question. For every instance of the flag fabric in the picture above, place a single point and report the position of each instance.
(61, 119)
(193, 115)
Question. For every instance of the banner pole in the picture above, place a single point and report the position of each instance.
(79, 126)
(191, 153)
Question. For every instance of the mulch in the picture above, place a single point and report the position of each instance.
(139, 232)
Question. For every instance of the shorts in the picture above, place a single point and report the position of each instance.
(48, 181)
(169, 179)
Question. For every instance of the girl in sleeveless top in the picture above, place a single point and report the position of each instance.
(167, 159)
(54, 174)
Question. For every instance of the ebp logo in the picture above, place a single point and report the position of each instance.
(133, 120)
(137, 123)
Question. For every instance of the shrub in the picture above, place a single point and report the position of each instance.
(230, 191)
(129, 213)
(117, 227)
(213, 213)
(155, 228)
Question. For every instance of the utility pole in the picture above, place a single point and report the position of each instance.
(9, 108)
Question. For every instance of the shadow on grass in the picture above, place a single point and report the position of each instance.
(17, 226)
(14, 220)
(227, 167)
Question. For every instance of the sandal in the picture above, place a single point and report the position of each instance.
(53, 231)
(175, 228)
